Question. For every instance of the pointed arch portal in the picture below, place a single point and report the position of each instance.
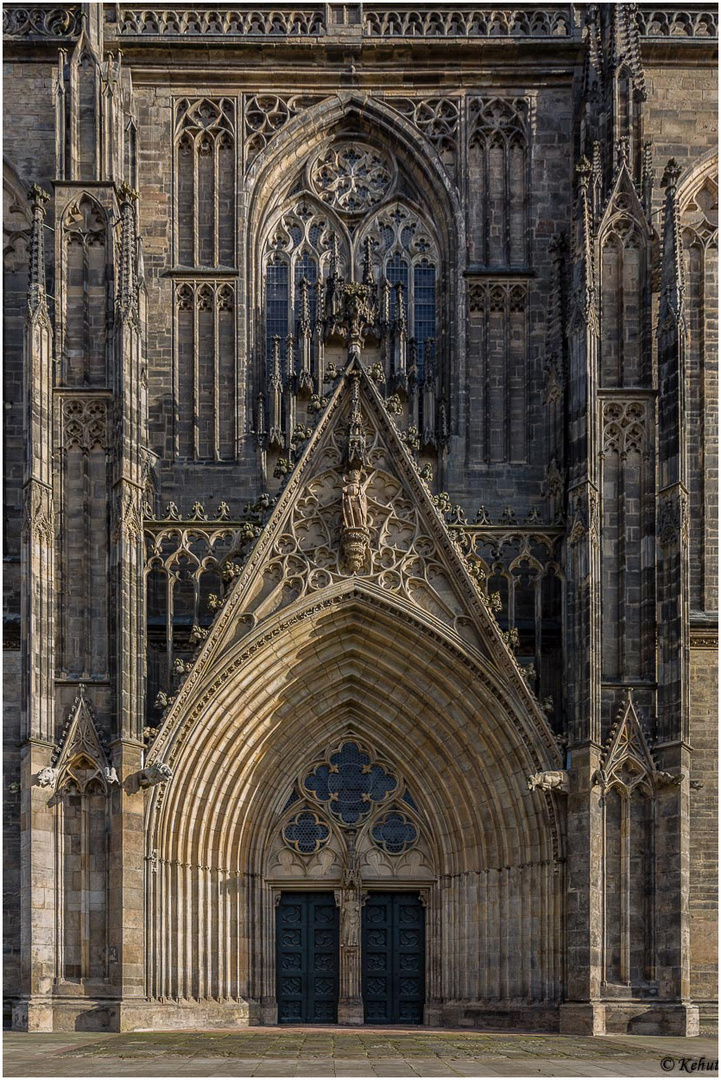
(400, 665)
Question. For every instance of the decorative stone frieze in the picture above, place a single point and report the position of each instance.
(41, 22)
(220, 22)
(382, 20)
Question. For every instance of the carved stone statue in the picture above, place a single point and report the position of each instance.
(555, 780)
(355, 499)
(350, 919)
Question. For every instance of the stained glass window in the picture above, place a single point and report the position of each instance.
(424, 299)
(306, 833)
(350, 784)
(394, 833)
(306, 267)
(276, 296)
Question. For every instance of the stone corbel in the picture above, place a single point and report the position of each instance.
(554, 780)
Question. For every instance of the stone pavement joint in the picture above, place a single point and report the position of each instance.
(300, 1052)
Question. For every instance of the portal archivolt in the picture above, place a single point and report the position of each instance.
(349, 668)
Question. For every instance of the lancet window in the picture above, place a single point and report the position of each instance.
(301, 247)
(405, 254)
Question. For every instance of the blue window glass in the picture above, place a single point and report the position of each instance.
(306, 832)
(424, 309)
(397, 273)
(394, 833)
(306, 267)
(349, 784)
(276, 297)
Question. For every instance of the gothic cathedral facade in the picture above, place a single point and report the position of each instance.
(360, 544)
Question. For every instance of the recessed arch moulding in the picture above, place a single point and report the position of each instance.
(347, 665)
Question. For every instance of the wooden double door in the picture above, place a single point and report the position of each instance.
(392, 958)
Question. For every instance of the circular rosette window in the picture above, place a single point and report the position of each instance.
(352, 177)
(394, 833)
(306, 833)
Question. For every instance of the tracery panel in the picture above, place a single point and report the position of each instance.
(499, 336)
(498, 181)
(623, 268)
(205, 380)
(84, 316)
(205, 182)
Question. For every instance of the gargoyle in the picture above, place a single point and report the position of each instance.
(554, 780)
(158, 773)
(47, 777)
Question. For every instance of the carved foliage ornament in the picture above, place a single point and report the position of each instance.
(352, 177)
(45, 21)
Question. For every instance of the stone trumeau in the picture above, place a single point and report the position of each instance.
(361, 494)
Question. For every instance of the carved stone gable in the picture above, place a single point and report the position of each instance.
(81, 760)
(362, 515)
(627, 758)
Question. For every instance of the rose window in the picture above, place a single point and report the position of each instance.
(351, 177)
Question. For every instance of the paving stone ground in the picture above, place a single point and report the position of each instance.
(311, 1052)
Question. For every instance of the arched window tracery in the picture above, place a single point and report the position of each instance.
(350, 789)
(405, 253)
(350, 219)
(303, 242)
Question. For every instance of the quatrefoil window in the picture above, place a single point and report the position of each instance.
(349, 783)
(306, 833)
(394, 833)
